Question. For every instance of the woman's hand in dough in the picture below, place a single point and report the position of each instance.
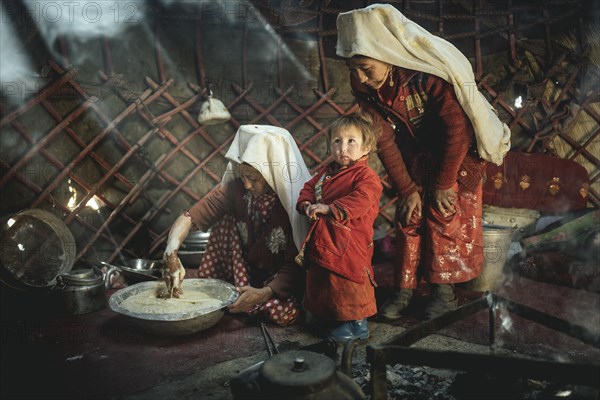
(173, 274)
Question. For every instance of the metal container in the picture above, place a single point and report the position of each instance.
(297, 374)
(135, 275)
(193, 248)
(80, 291)
(144, 265)
(196, 240)
(522, 219)
(141, 270)
(496, 241)
(176, 324)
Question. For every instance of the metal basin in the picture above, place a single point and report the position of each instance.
(141, 270)
(177, 324)
(143, 264)
(134, 275)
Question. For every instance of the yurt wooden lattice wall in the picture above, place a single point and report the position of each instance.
(110, 141)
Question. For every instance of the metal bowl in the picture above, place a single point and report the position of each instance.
(140, 275)
(133, 275)
(177, 324)
(143, 264)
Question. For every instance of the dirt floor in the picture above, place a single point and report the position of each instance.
(523, 339)
(103, 355)
(210, 383)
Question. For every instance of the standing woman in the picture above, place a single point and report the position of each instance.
(437, 133)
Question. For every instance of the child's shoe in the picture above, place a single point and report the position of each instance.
(350, 330)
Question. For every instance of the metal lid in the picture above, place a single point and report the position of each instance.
(298, 372)
(81, 277)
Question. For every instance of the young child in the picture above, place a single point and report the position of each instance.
(342, 202)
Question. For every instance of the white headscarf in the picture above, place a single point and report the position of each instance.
(382, 32)
(273, 152)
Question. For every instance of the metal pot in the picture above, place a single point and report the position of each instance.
(193, 247)
(80, 291)
(196, 241)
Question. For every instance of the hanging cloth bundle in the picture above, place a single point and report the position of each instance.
(213, 112)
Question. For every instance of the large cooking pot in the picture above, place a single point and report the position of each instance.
(184, 323)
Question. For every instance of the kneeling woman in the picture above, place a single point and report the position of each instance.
(255, 231)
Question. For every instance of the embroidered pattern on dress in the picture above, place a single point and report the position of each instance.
(248, 200)
(243, 231)
(464, 232)
(445, 276)
(473, 221)
(276, 241)
(452, 253)
(408, 278)
(469, 247)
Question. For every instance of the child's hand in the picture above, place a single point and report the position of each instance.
(314, 210)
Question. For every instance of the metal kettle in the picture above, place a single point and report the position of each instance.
(80, 291)
(298, 374)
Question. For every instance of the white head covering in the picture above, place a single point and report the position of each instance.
(273, 152)
(382, 32)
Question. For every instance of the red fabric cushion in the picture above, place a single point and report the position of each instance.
(538, 182)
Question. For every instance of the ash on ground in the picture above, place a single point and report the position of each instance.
(410, 382)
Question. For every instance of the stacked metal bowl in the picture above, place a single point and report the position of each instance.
(193, 249)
